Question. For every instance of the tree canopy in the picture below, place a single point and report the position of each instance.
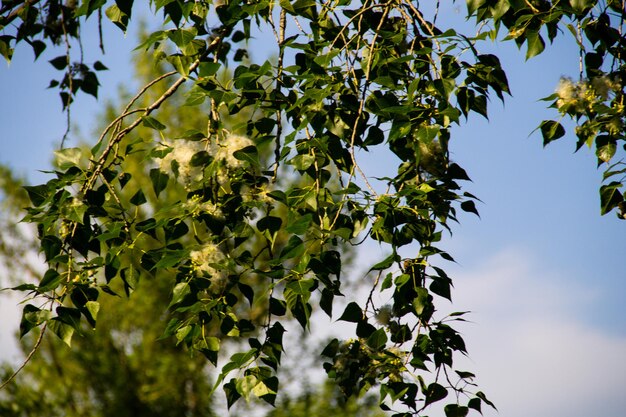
(247, 215)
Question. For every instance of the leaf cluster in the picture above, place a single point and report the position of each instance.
(250, 220)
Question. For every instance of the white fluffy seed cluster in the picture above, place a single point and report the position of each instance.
(181, 152)
(195, 207)
(225, 149)
(580, 95)
(205, 259)
(222, 149)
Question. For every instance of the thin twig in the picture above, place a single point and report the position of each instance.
(101, 45)
(429, 29)
(122, 133)
(359, 14)
(581, 51)
(116, 120)
(279, 125)
(146, 87)
(126, 112)
(28, 358)
(370, 298)
(362, 103)
(70, 81)
(119, 203)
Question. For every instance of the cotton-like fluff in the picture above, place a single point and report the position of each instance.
(195, 207)
(182, 152)
(204, 260)
(225, 149)
(567, 92)
(584, 94)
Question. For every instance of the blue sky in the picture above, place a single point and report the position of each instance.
(540, 270)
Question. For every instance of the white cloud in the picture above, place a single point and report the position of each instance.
(532, 350)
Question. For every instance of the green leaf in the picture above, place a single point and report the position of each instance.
(605, 148)
(441, 286)
(180, 63)
(302, 287)
(300, 225)
(99, 66)
(326, 302)
(245, 385)
(75, 210)
(385, 263)
(535, 44)
(551, 130)
(610, 197)
(51, 246)
(50, 281)
(37, 194)
(179, 292)
(580, 6)
(25, 287)
(65, 324)
(68, 315)
(247, 292)
(59, 62)
(152, 123)
(32, 317)
(286, 4)
(62, 330)
(125, 6)
(195, 97)
(302, 162)
(159, 180)
(387, 282)
(422, 300)
(67, 158)
(87, 7)
(232, 395)
(482, 396)
(212, 343)
(269, 223)
(5, 48)
(500, 9)
(117, 16)
(207, 69)
(434, 393)
(455, 410)
(293, 249)
(300, 309)
(182, 37)
(237, 361)
(147, 226)
(473, 5)
(352, 313)
(93, 307)
(465, 374)
(277, 307)
(138, 198)
(470, 207)
(377, 340)
(330, 351)
(375, 136)
(90, 83)
(475, 404)
(182, 333)
(248, 154)
(154, 38)
(260, 390)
